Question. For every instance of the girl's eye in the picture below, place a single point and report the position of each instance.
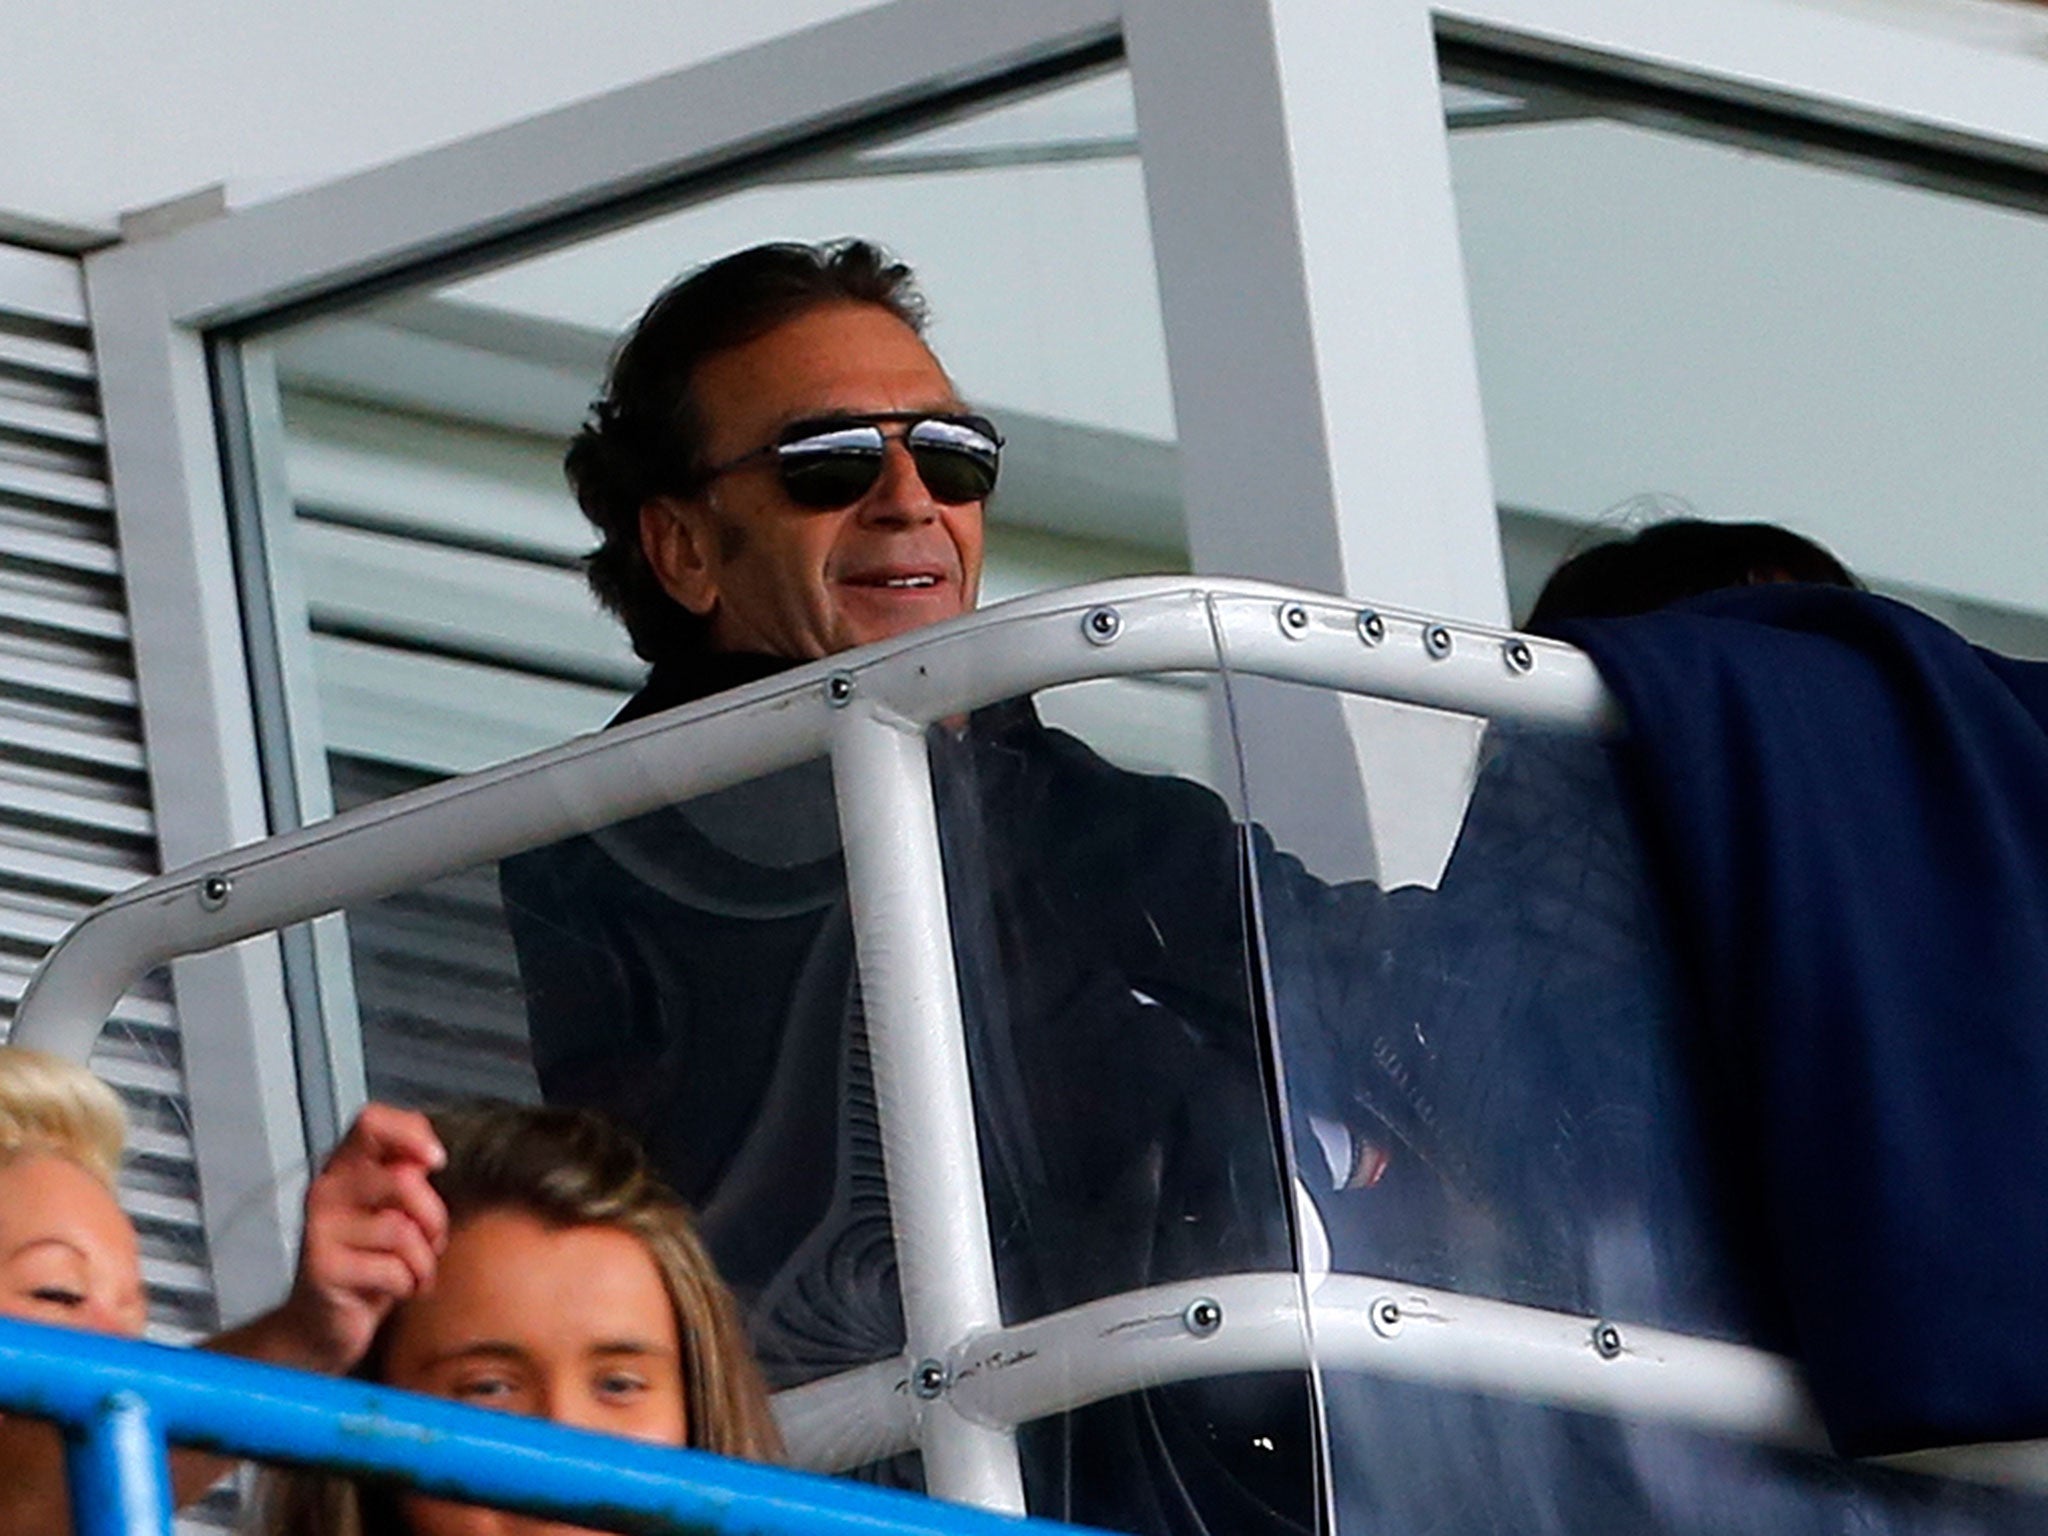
(483, 1389)
(58, 1296)
(620, 1384)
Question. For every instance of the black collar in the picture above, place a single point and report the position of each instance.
(685, 680)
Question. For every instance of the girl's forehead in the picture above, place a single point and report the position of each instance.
(508, 1281)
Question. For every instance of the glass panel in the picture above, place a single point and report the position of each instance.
(421, 533)
(1488, 1096)
(1123, 1083)
(410, 530)
(433, 977)
(1711, 315)
(692, 972)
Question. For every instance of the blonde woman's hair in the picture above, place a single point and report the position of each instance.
(51, 1105)
(567, 1168)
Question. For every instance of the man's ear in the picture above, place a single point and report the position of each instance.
(675, 536)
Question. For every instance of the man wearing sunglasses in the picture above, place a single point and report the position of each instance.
(780, 470)
(780, 467)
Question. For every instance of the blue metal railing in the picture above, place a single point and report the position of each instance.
(121, 1402)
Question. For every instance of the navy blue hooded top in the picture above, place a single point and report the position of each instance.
(1847, 805)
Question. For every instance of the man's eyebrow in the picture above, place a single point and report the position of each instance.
(948, 405)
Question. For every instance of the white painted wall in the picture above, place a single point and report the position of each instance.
(1854, 358)
(112, 105)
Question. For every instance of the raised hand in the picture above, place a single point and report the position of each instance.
(374, 1231)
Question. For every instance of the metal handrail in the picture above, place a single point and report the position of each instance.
(1103, 630)
(121, 1403)
(1227, 1325)
(868, 710)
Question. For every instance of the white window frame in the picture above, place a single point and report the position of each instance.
(1319, 345)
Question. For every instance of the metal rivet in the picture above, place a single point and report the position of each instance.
(1202, 1316)
(1436, 640)
(1518, 656)
(928, 1380)
(1372, 629)
(1102, 625)
(1606, 1340)
(1386, 1317)
(1293, 620)
(214, 891)
(839, 689)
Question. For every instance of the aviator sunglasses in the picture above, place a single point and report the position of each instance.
(832, 462)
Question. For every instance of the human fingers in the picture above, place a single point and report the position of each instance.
(373, 1281)
(384, 1133)
(393, 1235)
(359, 1177)
(414, 1194)
(326, 1260)
(402, 1187)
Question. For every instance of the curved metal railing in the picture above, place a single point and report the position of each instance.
(869, 709)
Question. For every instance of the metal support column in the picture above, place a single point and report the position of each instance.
(896, 883)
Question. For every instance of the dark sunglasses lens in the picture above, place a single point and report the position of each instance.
(830, 480)
(831, 469)
(957, 458)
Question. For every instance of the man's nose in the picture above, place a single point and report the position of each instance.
(898, 494)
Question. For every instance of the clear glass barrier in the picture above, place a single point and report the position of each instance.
(420, 559)
(425, 554)
(139, 1055)
(1127, 1139)
(1488, 1095)
(686, 971)
(1710, 313)
(693, 971)
(433, 976)
(690, 973)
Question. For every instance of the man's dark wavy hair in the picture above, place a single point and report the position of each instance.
(644, 435)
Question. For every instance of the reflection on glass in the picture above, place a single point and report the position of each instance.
(424, 556)
(1663, 311)
(1121, 1077)
(434, 545)
(692, 971)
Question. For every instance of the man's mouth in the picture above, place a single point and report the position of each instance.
(896, 581)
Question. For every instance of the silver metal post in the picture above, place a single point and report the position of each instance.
(889, 829)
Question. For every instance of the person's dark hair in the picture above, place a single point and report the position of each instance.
(644, 435)
(1681, 558)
